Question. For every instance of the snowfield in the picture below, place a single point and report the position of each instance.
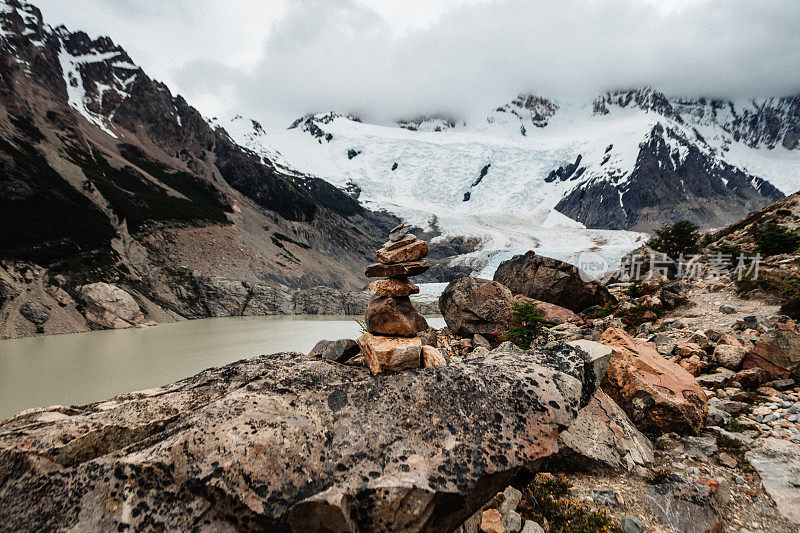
(488, 180)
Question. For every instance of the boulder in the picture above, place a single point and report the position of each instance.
(339, 351)
(286, 442)
(110, 307)
(687, 506)
(552, 313)
(394, 316)
(35, 312)
(778, 465)
(658, 395)
(379, 270)
(777, 351)
(729, 356)
(596, 356)
(393, 287)
(412, 251)
(674, 294)
(602, 437)
(688, 349)
(551, 280)
(475, 306)
(390, 354)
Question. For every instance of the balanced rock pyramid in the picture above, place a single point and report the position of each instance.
(392, 342)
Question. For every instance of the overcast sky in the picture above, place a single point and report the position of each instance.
(387, 59)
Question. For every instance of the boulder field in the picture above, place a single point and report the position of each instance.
(288, 442)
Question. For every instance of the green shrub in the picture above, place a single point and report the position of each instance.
(525, 325)
(675, 239)
(638, 288)
(791, 292)
(774, 239)
(634, 317)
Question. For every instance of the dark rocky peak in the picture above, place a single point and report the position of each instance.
(428, 122)
(530, 107)
(647, 99)
(20, 19)
(312, 123)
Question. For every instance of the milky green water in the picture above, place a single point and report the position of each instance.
(87, 367)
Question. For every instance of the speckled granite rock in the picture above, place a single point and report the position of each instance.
(288, 442)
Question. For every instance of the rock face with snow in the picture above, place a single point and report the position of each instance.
(287, 441)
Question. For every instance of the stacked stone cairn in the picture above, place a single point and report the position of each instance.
(392, 340)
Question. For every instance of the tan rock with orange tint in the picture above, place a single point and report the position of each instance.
(393, 287)
(390, 354)
(658, 395)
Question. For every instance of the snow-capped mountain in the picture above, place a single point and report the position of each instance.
(536, 173)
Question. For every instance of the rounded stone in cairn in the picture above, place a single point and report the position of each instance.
(413, 251)
(390, 354)
(408, 239)
(394, 316)
(393, 287)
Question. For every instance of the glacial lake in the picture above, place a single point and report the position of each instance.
(88, 367)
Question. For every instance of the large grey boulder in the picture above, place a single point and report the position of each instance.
(553, 281)
(288, 442)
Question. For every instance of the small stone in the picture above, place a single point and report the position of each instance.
(492, 522)
(398, 232)
(408, 239)
(511, 499)
(727, 309)
(480, 340)
(432, 357)
(35, 312)
(688, 349)
(727, 460)
(393, 287)
(729, 356)
(512, 522)
(532, 527)
(631, 524)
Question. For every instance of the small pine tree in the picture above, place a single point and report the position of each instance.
(774, 239)
(681, 237)
(526, 324)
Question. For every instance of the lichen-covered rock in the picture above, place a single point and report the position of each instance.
(287, 442)
(778, 464)
(475, 306)
(602, 437)
(110, 307)
(551, 280)
(684, 505)
(658, 395)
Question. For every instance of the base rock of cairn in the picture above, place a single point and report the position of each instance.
(392, 340)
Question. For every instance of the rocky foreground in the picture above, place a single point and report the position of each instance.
(290, 442)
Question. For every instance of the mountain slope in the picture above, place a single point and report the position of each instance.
(106, 176)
